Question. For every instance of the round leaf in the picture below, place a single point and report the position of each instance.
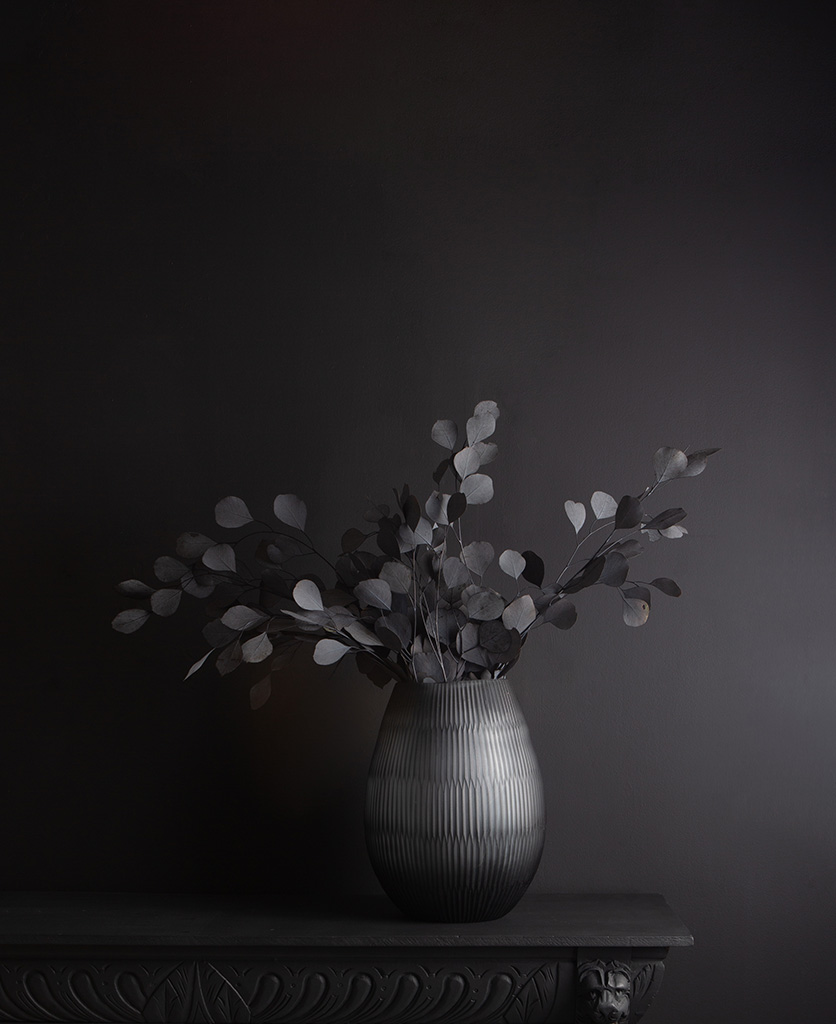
(477, 556)
(257, 649)
(436, 508)
(603, 505)
(376, 593)
(134, 588)
(535, 568)
(231, 512)
(398, 576)
(455, 572)
(306, 594)
(520, 613)
(165, 602)
(487, 408)
(480, 427)
(466, 461)
(484, 605)
(260, 693)
(130, 620)
(168, 569)
(697, 462)
(292, 511)
(494, 637)
(628, 513)
(352, 539)
(487, 451)
(669, 463)
(456, 506)
(512, 562)
(664, 520)
(241, 616)
(667, 586)
(192, 545)
(445, 433)
(576, 511)
(635, 611)
(327, 652)
(615, 569)
(562, 614)
(478, 488)
(219, 557)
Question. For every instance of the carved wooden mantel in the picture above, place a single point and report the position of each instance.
(561, 959)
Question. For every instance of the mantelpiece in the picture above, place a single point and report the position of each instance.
(115, 957)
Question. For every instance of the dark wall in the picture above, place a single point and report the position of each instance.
(260, 247)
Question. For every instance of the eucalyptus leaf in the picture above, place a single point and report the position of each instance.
(411, 511)
(561, 613)
(485, 605)
(664, 520)
(192, 545)
(130, 620)
(168, 569)
(697, 461)
(397, 624)
(629, 547)
(456, 506)
(440, 470)
(494, 637)
(165, 602)
(436, 508)
(477, 556)
(260, 693)
(669, 463)
(512, 563)
(197, 665)
(387, 540)
(667, 586)
(257, 649)
(576, 511)
(604, 505)
(376, 593)
(466, 462)
(217, 634)
(535, 569)
(445, 433)
(479, 427)
(306, 594)
(423, 531)
(292, 511)
(231, 512)
(628, 513)
(487, 408)
(219, 557)
(199, 585)
(378, 672)
(427, 666)
(587, 576)
(398, 576)
(352, 539)
(242, 616)
(327, 651)
(634, 611)
(486, 450)
(362, 634)
(520, 613)
(674, 532)
(134, 588)
(455, 572)
(478, 489)
(229, 659)
(615, 569)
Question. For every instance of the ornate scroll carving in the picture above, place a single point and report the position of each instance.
(647, 980)
(603, 994)
(269, 992)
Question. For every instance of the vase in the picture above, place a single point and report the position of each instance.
(455, 815)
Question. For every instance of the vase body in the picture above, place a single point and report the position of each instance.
(455, 815)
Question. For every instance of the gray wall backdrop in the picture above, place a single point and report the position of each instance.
(260, 247)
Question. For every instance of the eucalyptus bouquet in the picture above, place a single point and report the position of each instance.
(407, 596)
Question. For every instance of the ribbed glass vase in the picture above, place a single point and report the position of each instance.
(455, 816)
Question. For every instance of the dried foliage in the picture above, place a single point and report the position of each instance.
(407, 597)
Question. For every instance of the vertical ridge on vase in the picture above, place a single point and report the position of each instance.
(455, 816)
